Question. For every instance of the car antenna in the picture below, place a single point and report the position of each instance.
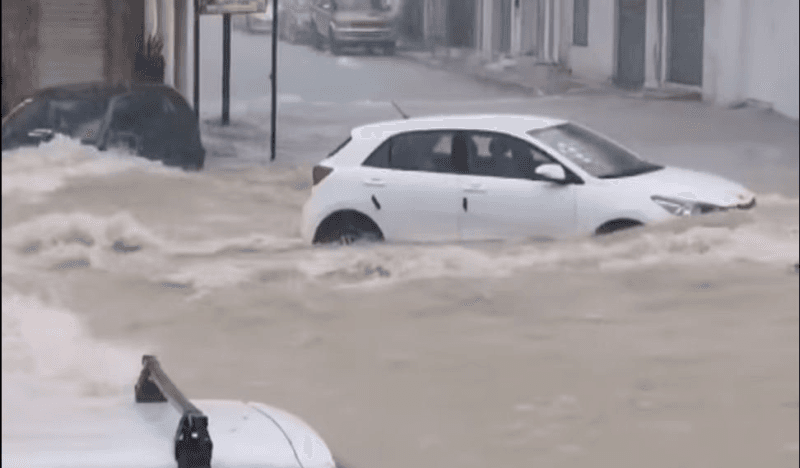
(399, 110)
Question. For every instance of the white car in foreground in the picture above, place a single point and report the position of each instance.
(486, 177)
(163, 429)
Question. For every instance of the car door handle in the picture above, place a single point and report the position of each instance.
(374, 182)
(474, 188)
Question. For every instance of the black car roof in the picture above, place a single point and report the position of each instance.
(99, 89)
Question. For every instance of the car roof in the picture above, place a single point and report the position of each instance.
(510, 123)
(99, 89)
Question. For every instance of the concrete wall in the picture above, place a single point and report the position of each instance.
(772, 55)
(595, 61)
(123, 24)
(751, 52)
(19, 49)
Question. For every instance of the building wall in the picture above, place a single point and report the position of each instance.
(751, 52)
(20, 33)
(596, 60)
(772, 56)
(124, 21)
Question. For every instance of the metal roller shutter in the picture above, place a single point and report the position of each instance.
(70, 41)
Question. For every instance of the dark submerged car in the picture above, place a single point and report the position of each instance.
(152, 120)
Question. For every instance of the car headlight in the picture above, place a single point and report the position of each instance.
(679, 207)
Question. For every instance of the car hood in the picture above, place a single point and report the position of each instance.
(690, 185)
(244, 435)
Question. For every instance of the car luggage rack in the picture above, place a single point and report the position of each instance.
(192, 441)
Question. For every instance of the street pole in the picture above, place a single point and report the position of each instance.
(274, 76)
(197, 59)
(226, 68)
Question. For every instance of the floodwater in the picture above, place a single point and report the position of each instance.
(673, 345)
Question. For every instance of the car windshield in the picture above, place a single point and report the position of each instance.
(358, 5)
(594, 154)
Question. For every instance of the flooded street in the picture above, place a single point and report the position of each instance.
(671, 346)
(667, 346)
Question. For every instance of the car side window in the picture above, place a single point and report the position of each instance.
(499, 155)
(379, 157)
(427, 151)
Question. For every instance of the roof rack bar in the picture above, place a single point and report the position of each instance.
(192, 441)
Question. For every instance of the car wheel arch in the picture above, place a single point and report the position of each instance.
(339, 217)
(617, 224)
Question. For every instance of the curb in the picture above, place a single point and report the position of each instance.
(577, 87)
(490, 80)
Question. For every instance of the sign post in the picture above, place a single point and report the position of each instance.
(225, 8)
(226, 68)
(274, 77)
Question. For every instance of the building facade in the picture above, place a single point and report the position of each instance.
(493, 28)
(728, 51)
(54, 42)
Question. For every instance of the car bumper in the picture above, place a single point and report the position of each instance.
(308, 221)
(361, 36)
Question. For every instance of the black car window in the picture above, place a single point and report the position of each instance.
(428, 151)
(499, 155)
(339, 148)
(379, 157)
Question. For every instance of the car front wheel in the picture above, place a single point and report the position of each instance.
(318, 40)
(336, 48)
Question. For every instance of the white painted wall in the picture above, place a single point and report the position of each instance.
(772, 56)
(751, 52)
(595, 61)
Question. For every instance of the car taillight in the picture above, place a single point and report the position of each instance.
(319, 173)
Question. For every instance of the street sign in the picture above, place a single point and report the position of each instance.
(219, 7)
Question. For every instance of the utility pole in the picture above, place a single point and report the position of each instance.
(226, 68)
(274, 77)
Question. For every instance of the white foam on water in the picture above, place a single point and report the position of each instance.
(755, 241)
(32, 171)
(50, 361)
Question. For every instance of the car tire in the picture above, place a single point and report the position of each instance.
(318, 41)
(390, 48)
(336, 48)
(347, 227)
(616, 226)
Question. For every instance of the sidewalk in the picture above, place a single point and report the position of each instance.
(526, 74)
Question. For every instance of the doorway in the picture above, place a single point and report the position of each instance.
(630, 43)
(686, 21)
(501, 26)
(461, 23)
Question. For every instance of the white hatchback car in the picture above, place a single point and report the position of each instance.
(486, 177)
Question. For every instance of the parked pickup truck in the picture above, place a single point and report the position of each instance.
(343, 23)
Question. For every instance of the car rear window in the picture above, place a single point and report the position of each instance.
(339, 148)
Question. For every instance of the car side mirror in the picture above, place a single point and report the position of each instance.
(41, 134)
(552, 172)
